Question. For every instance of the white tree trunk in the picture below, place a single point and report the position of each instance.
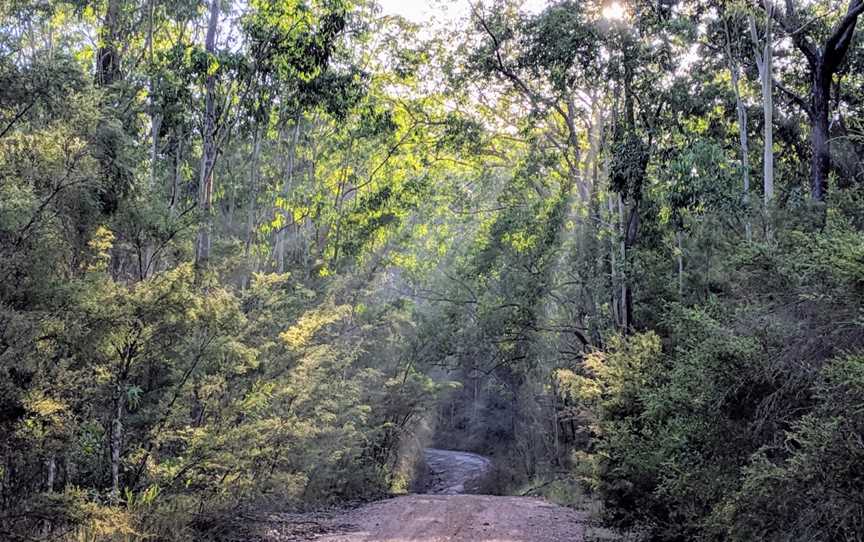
(253, 200)
(116, 444)
(679, 239)
(742, 130)
(622, 213)
(51, 464)
(764, 56)
(768, 115)
(208, 154)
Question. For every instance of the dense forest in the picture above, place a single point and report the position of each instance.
(258, 254)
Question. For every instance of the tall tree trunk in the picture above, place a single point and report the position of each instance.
(613, 264)
(623, 306)
(742, 130)
(764, 56)
(232, 206)
(69, 472)
(208, 154)
(7, 481)
(107, 56)
(679, 241)
(289, 166)
(629, 212)
(252, 210)
(253, 192)
(630, 236)
(155, 114)
(824, 64)
(768, 127)
(556, 456)
(116, 444)
(574, 156)
(146, 263)
(178, 172)
(51, 466)
(820, 107)
(155, 125)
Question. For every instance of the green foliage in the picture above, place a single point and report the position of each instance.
(144, 397)
(726, 434)
(630, 158)
(526, 234)
(699, 178)
(562, 44)
(807, 486)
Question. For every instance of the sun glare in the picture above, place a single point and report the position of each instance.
(613, 11)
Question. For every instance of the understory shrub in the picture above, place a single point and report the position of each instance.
(742, 416)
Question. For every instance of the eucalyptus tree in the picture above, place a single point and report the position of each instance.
(763, 53)
(644, 47)
(824, 49)
(553, 60)
(741, 111)
(208, 149)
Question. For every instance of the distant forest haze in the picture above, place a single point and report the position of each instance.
(257, 255)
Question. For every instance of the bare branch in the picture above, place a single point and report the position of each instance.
(18, 116)
(788, 24)
(508, 73)
(801, 102)
(841, 36)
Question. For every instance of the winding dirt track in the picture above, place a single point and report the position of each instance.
(446, 515)
(452, 471)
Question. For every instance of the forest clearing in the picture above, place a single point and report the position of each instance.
(409, 271)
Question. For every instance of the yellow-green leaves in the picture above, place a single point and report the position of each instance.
(612, 375)
(100, 244)
(300, 334)
(43, 406)
(521, 241)
(48, 417)
(212, 65)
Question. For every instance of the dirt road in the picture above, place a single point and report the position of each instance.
(460, 518)
(454, 473)
(446, 515)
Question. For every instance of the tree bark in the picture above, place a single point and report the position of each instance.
(51, 465)
(679, 240)
(155, 125)
(116, 444)
(630, 210)
(251, 212)
(768, 129)
(155, 115)
(253, 192)
(613, 265)
(208, 154)
(147, 250)
(742, 130)
(624, 305)
(289, 170)
(175, 179)
(764, 56)
(108, 57)
(820, 107)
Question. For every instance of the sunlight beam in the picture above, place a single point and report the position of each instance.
(613, 11)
